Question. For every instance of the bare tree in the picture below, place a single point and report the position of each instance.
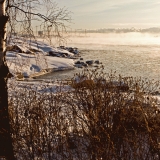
(22, 14)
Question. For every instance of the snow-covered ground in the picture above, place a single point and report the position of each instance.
(31, 58)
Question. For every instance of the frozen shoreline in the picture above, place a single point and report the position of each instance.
(28, 59)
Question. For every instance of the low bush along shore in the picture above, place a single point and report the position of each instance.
(94, 116)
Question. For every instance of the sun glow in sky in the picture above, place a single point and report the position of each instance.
(94, 14)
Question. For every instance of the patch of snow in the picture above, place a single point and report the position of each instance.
(30, 64)
(29, 57)
(40, 46)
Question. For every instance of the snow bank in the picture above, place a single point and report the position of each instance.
(35, 45)
(30, 58)
(40, 86)
(28, 65)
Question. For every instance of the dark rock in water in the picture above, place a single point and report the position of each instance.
(76, 51)
(78, 65)
(90, 62)
(78, 62)
(62, 47)
(85, 65)
(51, 53)
(82, 63)
(81, 59)
(72, 50)
(97, 62)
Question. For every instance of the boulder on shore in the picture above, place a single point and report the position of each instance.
(54, 54)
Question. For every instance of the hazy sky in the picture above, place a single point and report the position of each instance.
(94, 14)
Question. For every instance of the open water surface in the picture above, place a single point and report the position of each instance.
(129, 55)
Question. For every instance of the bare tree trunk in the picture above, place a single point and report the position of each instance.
(6, 148)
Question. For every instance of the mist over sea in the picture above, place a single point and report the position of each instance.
(129, 54)
(101, 41)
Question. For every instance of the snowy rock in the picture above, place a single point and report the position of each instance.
(65, 56)
(19, 49)
(51, 53)
(11, 54)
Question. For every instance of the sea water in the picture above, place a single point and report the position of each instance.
(129, 54)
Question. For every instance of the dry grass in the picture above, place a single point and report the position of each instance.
(104, 117)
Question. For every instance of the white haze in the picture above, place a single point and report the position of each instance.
(129, 54)
(101, 41)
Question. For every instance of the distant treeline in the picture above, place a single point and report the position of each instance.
(119, 30)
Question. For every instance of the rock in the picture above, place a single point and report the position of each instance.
(72, 50)
(62, 47)
(97, 62)
(63, 55)
(78, 62)
(78, 65)
(90, 62)
(66, 54)
(19, 49)
(75, 51)
(82, 63)
(29, 52)
(34, 50)
(85, 65)
(51, 53)
(81, 59)
(58, 55)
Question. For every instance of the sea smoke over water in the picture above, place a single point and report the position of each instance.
(101, 41)
(129, 54)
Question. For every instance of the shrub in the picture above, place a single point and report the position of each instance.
(101, 117)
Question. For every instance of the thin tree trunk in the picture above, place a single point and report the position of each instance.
(6, 148)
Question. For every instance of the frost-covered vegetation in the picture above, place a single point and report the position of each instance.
(92, 116)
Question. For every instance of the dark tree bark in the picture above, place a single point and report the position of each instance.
(6, 148)
(13, 9)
